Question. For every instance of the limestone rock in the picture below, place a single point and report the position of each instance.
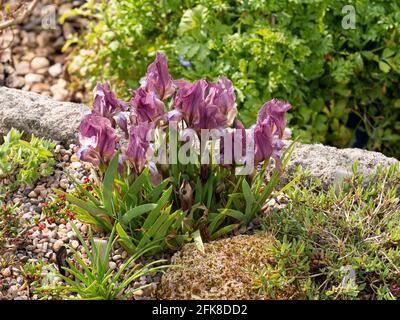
(331, 164)
(42, 116)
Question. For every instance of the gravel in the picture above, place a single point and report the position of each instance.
(35, 61)
(42, 243)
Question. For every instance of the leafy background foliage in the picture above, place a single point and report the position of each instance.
(343, 84)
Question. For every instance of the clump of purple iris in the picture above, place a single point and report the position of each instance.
(206, 105)
(199, 105)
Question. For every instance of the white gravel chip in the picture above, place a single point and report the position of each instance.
(57, 245)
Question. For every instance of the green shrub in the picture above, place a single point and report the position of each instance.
(293, 50)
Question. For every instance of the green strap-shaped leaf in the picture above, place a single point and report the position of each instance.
(238, 215)
(163, 231)
(157, 191)
(91, 209)
(249, 197)
(137, 211)
(156, 211)
(198, 241)
(136, 186)
(83, 189)
(108, 184)
(224, 230)
(125, 239)
(85, 205)
(216, 220)
(198, 198)
(210, 190)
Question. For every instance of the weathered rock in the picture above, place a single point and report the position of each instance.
(330, 164)
(225, 271)
(42, 116)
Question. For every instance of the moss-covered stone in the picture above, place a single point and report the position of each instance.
(225, 271)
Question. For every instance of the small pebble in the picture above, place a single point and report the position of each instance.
(32, 78)
(57, 245)
(117, 257)
(75, 244)
(32, 194)
(6, 272)
(64, 184)
(112, 265)
(39, 63)
(55, 70)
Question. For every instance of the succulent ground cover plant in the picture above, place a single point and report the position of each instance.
(9, 223)
(341, 243)
(174, 164)
(23, 162)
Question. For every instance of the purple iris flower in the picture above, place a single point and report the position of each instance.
(146, 107)
(274, 111)
(98, 140)
(106, 104)
(268, 131)
(158, 79)
(206, 105)
(139, 149)
(223, 96)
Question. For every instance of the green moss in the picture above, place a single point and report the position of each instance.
(224, 271)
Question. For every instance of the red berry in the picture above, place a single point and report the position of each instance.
(41, 226)
(71, 215)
